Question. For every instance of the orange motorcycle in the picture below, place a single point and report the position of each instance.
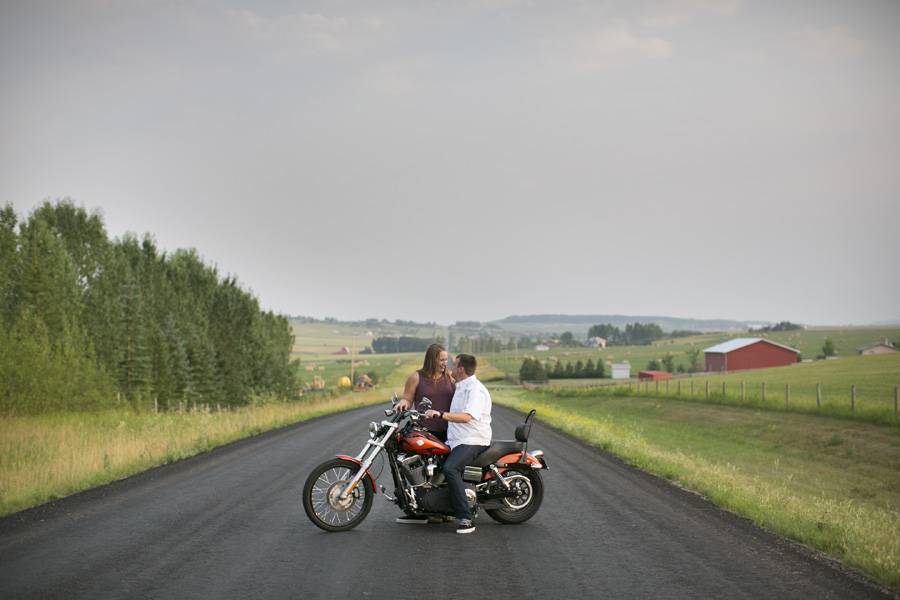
(504, 480)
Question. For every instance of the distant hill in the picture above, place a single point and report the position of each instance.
(580, 324)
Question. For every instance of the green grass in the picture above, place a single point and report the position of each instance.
(830, 483)
(792, 388)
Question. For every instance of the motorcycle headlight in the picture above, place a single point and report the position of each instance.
(373, 429)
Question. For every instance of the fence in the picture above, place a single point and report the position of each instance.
(763, 396)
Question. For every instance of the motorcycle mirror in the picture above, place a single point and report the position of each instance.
(395, 399)
(426, 403)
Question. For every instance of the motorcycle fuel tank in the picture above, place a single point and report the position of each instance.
(422, 442)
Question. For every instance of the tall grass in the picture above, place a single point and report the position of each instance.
(51, 456)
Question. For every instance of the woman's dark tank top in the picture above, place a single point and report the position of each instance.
(440, 393)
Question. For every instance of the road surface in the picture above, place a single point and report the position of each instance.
(230, 524)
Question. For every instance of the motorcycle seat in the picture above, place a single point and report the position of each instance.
(496, 451)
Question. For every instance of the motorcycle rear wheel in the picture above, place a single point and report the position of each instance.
(321, 496)
(529, 488)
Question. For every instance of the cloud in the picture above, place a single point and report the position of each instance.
(836, 43)
(671, 13)
(613, 46)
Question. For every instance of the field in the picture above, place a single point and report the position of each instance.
(822, 474)
(808, 341)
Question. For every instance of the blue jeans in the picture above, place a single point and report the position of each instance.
(456, 461)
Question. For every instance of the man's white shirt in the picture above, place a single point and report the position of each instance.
(473, 398)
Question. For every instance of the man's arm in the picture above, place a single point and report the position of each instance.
(461, 417)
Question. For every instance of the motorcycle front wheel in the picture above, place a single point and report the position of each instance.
(529, 489)
(322, 496)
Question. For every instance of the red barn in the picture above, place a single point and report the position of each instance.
(654, 375)
(742, 354)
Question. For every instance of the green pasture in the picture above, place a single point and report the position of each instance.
(809, 342)
(322, 338)
(823, 388)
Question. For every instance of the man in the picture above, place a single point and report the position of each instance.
(468, 433)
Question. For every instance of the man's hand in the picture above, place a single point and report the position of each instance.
(432, 414)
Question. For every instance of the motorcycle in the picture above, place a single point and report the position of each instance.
(504, 480)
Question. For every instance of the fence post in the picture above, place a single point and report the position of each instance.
(707, 389)
(657, 387)
(896, 401)
(723, 390)
(742, 392)
(818, 395)
(692, 387)
(155, 406)
(679, 389)
(787, 395)
(852, 398)
(764, 392)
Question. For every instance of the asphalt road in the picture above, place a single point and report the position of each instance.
(230, 524)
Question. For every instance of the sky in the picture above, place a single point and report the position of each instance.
(439, 161)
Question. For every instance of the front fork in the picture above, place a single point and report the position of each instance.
(366, 457)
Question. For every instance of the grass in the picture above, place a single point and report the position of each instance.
(46, 457)
(830, 483)
(792, 388)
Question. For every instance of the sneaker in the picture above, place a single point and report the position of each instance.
(465, 526)
(410, 520)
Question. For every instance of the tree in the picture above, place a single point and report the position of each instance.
(567, 340)
(668, 363)
(693, 355)
(827, 348)
(532, 370)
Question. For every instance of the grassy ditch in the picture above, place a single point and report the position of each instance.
(46, 457)
(829, 483)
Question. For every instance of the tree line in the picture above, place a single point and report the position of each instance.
(533, 370)
(394, 345)
(86, 321)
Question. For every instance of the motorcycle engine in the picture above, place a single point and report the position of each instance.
(417, 471)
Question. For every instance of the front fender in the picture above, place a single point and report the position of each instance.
(358, 463)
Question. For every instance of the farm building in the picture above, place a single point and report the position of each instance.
(653, 375)
(741, 354)
(541, 347)
(877, 348)
(620, 371)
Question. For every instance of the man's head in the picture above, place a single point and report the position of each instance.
(464, 366)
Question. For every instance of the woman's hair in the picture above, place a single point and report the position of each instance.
(430, 366)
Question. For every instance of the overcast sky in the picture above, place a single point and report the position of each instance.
(471, 160)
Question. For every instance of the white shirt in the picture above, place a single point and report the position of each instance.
(473, 398)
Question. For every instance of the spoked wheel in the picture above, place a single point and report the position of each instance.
(322, 496)
(529, 492)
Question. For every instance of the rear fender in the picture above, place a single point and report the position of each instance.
(513, 460)
(359, 463)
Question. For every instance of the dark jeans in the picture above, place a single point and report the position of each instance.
(458, 459)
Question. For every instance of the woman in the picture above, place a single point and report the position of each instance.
(432, 381)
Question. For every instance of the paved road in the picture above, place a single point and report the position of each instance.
(229, 524)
